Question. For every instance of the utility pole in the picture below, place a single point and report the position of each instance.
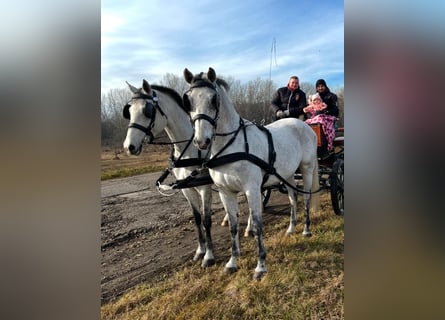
(273, 56)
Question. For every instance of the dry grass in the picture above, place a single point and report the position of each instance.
(116, 164)
(305, 280)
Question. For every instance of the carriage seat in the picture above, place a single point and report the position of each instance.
(322, 144)
(339, 141)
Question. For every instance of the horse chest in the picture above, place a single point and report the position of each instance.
(236, 177)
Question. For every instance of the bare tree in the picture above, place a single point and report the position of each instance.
(308, 88)
(252, 100)
(113, 125)
(341, 106)
(175, 82)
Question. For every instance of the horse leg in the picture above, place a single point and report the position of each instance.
(307, 183)
(230, 203)
(193, 199)
(248, 232)
(206, 196)
(200, 251)
(293, 207)
(249, 229)
(255, 209)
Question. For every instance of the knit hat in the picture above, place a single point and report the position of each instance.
(315, 96)
(320, 81)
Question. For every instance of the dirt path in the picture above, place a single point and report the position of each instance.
(145, 235)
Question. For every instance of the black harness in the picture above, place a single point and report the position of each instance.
(218, 160)
(151, 105)
(196, 178)
(268, 167)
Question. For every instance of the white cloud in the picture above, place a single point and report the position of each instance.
(148, 41)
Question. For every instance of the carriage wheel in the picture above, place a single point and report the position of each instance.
(266, 196)
(336, 180)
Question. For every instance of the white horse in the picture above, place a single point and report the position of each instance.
(245, 157)
(151, 110)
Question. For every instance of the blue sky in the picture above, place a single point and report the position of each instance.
(147, 39)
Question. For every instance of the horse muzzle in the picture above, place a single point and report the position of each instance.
(132, 150)
(202, 145)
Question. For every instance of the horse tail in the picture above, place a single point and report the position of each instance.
(315, 197)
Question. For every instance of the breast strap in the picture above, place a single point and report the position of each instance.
(246, 155)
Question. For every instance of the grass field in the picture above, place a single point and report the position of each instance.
(305, 278)
(116, 164)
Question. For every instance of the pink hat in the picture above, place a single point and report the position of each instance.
(315, 96)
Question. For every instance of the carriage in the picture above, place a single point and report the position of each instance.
(330, 170)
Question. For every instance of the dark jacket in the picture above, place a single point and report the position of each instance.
(331, 101)
(284, 99)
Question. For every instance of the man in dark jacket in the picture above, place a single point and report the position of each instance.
(328, 97)
(288, 101)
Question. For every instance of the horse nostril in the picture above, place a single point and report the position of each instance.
(208, 141)
(131, 147)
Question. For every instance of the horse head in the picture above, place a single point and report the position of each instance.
(202, 103)
(141, 110)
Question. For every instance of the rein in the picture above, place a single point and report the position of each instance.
(192, 180)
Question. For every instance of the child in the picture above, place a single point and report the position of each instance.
(315, 107)
(316, 113)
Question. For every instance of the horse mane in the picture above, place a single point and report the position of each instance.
(223, 83)
(172, 93)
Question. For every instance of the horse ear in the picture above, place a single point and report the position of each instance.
(133, 89)
(211, 74)
(188, 76)
(146, 86)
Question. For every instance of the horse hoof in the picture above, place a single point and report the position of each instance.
(258, 275)
(307, 234)
(249, 234)
(208, 263)
(198, 256)
(230, 270)
(288, 233)
(224, 223)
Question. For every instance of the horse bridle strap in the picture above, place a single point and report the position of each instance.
(147, 130)
(207, 118)
(184, 163)
(200, 84)
(154, 98)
